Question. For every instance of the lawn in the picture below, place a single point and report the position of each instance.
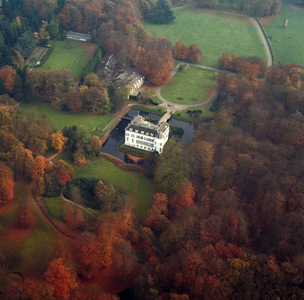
(134, 183)
(56, 207)
(70, 55)
(287, 43)
(195, 83)
(65, 118)
(184, 116)
(213, 32)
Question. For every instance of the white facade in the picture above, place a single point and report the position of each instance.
(146, 136)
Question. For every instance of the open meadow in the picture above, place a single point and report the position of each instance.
(287, 43)
(213, 32)
(32, 244)
(70, 55)
(190, 87)
(60, 119)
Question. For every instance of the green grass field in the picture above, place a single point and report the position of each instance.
(214, 33)
(134, 183)
(70, 55)
(287, 43)
(195, 83)
(65, 118)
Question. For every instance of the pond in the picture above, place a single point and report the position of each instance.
(118, 133)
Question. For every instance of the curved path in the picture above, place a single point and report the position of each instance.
(181, 107)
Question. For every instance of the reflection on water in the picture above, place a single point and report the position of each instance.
(118, 133)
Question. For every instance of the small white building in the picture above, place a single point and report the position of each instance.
(145, 135)
(136, 83)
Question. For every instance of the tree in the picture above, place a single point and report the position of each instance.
(36, 290)
(73, 217)
(58, 141)
(156, 66)
(171, 171)
(95, 145)
(61, 278)
(25, 215)
(38, 168)
(6, 183)
(183, 198)
(96, 101)
(2, 86)
(195, 54)
(163, 13)
(125, 257)
(94, 253)
(73, 100)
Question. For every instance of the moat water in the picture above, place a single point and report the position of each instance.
(118, 133)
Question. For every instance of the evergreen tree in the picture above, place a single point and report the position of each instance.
(163, 13)
(2, 86)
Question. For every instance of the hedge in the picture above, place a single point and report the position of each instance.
(121, 164)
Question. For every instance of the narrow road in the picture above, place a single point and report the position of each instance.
(83, 208)
(182, 107)
(47, 220)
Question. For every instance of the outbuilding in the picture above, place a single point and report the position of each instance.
(77, 36)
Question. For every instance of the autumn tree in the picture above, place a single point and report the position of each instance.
(95, 145)
(74, 101)
(94, 253)
(183, 198)
(156, 66)
(25, 215)
(125, 257)
(6, 183)
(61, 278)
(58, 141)
(8, 75)
(38, 167)
(73, 217)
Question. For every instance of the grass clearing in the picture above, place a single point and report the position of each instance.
(70, 55)
(195, 83)
(287, 43)
(56, 207)
(36, 250)
(184, 116)
(134, 183)
(213, 32)
(64, 118)
(8, 218)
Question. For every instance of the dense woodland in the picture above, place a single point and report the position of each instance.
(227, 219)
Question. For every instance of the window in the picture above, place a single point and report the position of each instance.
(127, 139)
(132, 140)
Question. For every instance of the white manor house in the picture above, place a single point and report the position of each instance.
(145, 135)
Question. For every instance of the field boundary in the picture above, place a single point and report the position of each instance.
(266, 37)
(121, 164)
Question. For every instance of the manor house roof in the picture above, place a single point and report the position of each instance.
(139, 125)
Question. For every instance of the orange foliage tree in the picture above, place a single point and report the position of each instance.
(73, 217)
(8, 74)
(157, 66)
(6, 183)
(61, 278)
(38, 168)
(183, 198)
(95, 253)
(58, 141)
(25, 215)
